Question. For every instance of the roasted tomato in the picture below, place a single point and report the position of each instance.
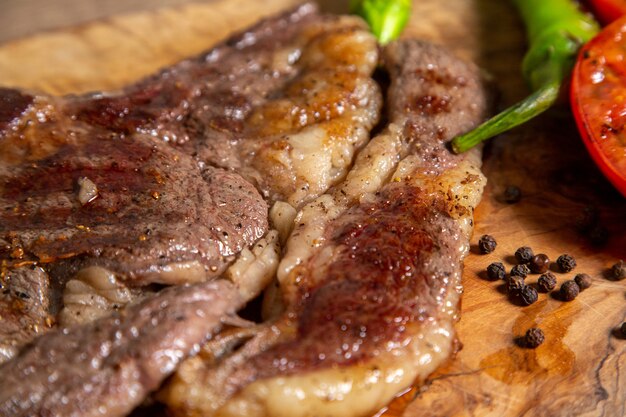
(608, 10)
(598, 98)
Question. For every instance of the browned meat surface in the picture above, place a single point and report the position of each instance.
(371, 275)
(107, 367)
(131, 204)
(291, 89)
(24, 308)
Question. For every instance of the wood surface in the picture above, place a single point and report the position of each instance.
(20, 18)
(581, 368)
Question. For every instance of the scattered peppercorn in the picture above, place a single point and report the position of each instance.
(534, 337)
(583, 281)
(514, 284)
(496, 271)
(623, 329)
(566, 263)
(520, 271)
(618, 271)
(540, 263)
(528, 295)
(487, 244)
(547, 282)
(512, 194)
(524, 255)
(569, 290)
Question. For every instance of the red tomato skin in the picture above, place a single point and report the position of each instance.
(608, 10)
(594, 102)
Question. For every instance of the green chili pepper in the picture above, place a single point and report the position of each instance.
(556, 30)
(386, 18)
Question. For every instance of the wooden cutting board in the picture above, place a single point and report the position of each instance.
(581, 368)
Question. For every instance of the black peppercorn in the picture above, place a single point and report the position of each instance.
(534, 337)
(512, 194)
(566, 263)
(540, 263)
(524, 255)
(618, 271)
(520, 271)
(583, 281)
(487, 244)
(528, 295)
(514, 284)
(569, 290)
(547, 282)
(496, 271)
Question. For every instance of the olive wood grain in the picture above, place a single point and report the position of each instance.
(581, 368)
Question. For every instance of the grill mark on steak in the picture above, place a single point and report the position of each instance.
(371, 274)
(107, 367)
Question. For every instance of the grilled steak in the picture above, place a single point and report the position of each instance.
(371, 275)
(107, 367)
(168, 180)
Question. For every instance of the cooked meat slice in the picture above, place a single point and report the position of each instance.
(286, 103)
(107, 367)
(151, 210)
(371, 275)
(24, 308)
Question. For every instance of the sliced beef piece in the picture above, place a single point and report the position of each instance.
(285, 103)
(107, 367)
(131, 204)
(371, 273)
